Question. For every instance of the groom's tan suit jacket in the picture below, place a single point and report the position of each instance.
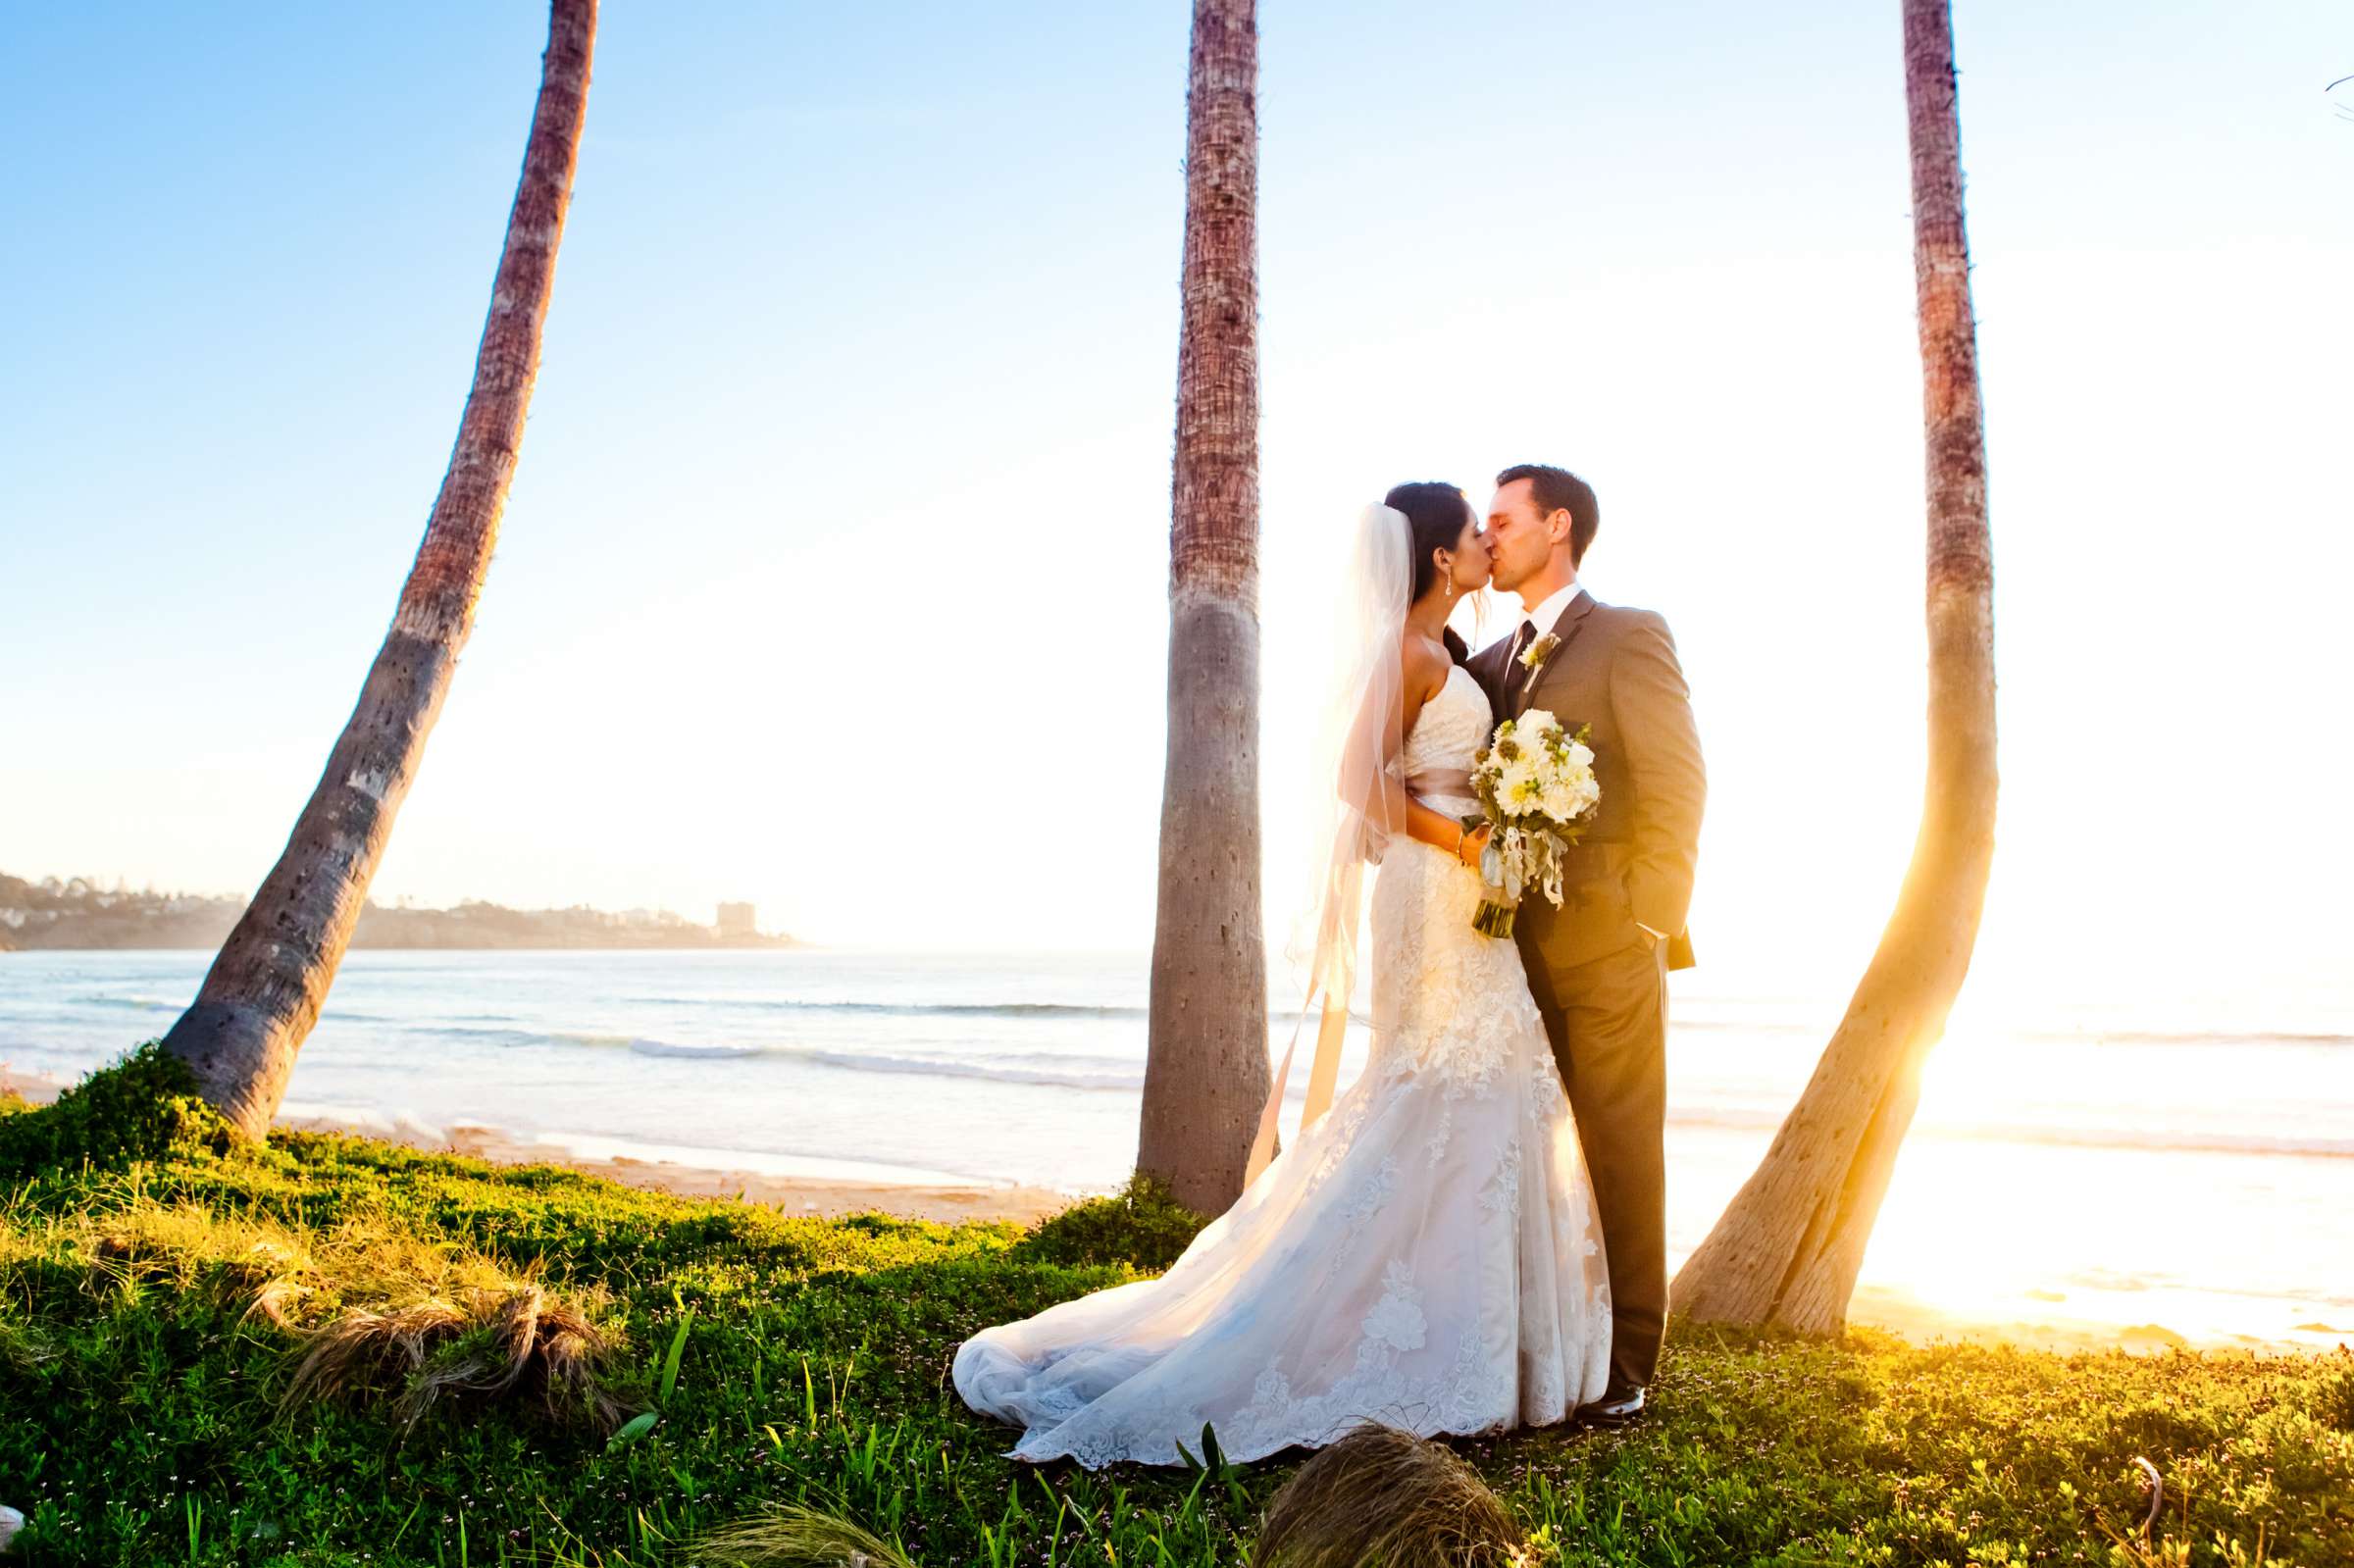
(1599, 982)
(1616, 671)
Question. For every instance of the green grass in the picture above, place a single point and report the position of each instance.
(794, 1361)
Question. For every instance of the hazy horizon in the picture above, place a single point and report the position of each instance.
(850, 447)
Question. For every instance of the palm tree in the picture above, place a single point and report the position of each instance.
(1205, 1074)
(265, 988)
(1787, 1250)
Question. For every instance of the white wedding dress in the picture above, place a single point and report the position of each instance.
(1425, 1255)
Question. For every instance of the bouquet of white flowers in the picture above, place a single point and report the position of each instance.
(1536, 785)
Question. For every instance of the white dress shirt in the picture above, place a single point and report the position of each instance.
(1549, 614)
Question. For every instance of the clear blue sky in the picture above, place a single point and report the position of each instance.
(845, 487)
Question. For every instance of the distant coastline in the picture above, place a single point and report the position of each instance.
(50, 916)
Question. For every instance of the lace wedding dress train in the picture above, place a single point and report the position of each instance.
(1425, 1255)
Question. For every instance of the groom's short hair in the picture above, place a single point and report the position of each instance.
(1558, 489)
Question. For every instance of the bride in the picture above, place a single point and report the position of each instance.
(1425, 1254)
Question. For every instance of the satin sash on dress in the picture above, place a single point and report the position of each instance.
(1441, 784)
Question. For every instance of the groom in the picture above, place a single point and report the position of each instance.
(1598, 965)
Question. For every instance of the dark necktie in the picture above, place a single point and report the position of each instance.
(1516, 676)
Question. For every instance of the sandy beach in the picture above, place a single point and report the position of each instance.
(822, 1196)
(819, 1196)
(2090, 1321)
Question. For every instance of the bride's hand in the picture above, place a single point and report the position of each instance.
(1466, 850)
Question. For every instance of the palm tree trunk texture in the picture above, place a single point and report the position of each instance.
(1788, 1248)
(1207, 1072)
(265, 988)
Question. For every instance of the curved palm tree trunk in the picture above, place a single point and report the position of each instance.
(263, 991)
(1205, 1074)
(1787, 1250)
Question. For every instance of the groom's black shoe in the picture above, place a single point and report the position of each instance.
(1617, 1408)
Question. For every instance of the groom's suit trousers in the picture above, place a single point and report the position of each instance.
(1608, 1020)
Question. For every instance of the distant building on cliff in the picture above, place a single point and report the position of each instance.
(737, 920)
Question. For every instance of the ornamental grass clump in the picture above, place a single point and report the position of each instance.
(1384, 1498)
(521, 1343)
(792, 1536)
(187, 1248)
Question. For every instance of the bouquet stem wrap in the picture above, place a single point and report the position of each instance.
(1496, 914)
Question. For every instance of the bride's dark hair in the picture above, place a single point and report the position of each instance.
(1435, 515)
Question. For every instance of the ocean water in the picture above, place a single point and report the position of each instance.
(2114, 1164)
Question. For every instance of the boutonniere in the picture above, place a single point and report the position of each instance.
(1533, 657)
